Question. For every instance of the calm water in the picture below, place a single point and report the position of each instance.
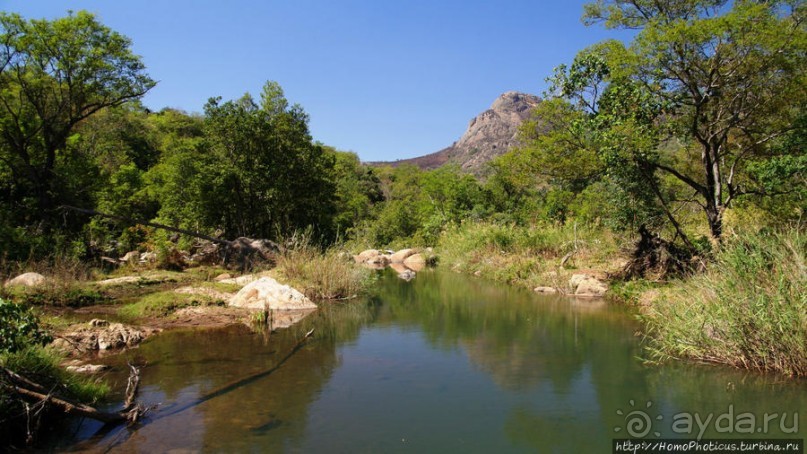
(444, 363)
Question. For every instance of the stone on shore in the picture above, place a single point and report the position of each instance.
(268, 294)
(27, 280)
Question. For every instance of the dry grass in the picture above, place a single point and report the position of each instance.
(322, 275)
(748, 310)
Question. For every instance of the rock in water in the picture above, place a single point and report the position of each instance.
(401, 255)
(268, 294)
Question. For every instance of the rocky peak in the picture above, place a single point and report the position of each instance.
(489, 134)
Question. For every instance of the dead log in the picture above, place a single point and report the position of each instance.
(33, 392)
(148, 223)
(71, 408)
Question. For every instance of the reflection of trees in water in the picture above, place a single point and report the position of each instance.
(583, 352)
(268, 411)
(569, 364)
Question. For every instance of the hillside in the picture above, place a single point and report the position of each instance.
(489, 134)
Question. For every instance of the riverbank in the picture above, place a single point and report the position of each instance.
(81, 313)
(748, 310)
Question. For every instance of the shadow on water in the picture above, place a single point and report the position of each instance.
(441, 363)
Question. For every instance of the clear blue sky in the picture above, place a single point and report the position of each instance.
(386, 79)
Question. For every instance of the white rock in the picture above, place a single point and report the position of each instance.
(27, 280)
(268, 294)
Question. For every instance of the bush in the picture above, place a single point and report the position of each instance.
(19, 328)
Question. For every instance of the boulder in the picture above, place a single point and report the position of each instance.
(401, 255)
(576, 279)
(381, 260)
(591, 287)
(100, 335)
(546, 290)
(268, 294)
(131, 257)
(587, 285)
(27, 280)
(415, 262)
(365, 256)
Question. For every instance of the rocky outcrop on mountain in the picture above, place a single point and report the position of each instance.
(490, 134)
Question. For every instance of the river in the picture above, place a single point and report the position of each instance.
(444, 363)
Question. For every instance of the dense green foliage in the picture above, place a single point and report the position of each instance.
(54, 75)
(19, 328)
(704, 106)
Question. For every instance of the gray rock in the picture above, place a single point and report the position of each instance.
(27, 280)
(547, 290)
(491, 134)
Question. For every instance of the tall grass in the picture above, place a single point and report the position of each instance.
(521, 255)
(322, 275)
(748, 310)
(66, 284)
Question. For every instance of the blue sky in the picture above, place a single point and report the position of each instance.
(386, 79)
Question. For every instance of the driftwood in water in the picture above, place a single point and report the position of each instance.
(31, 391)
(242, 382)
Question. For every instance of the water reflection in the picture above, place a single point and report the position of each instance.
(442, 363)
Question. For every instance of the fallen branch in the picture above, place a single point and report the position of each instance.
(36, 393)
(148, 223)
(71, 407)
(242, 382)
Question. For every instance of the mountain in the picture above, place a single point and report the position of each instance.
(490, 134)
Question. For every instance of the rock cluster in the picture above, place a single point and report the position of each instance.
(406, 262)
(100, 335)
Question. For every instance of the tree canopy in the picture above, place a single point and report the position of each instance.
(53, 75)
(706, 92)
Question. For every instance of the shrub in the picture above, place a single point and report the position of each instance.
(19, 328)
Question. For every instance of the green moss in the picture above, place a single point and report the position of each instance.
(161, 304)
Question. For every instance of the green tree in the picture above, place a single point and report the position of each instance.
(723, 80)
(358, 189)
(54, 75)
(256, 172)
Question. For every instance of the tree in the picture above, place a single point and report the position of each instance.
(256, 172)
(54, 75)
(721, 84)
